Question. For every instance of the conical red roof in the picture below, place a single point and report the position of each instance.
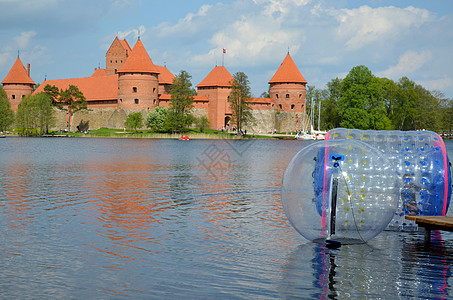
(218, 77)
(18, 74)
(288, 72)
(139, 61)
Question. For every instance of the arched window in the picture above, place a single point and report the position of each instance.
(136, 101)
(276, 95)
(292, 106)
(287, 96)
(280, 106)
(134, 89)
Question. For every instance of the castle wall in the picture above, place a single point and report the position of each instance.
(16, 92)
(288, 96)
(218, 106)
(137, 91)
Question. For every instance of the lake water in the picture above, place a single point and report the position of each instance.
(200, 219)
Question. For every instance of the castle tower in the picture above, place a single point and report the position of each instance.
(217, 87)
(138, 83)
(18, 84)
(288, 87)
(117, 54)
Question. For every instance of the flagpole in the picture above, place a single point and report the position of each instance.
(223, 57)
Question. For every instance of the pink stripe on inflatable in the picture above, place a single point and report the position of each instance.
(324, 186)
(444, 151)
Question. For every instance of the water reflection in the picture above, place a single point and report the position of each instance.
(106, 218)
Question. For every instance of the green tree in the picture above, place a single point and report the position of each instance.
(71, 100)
(6, 113)
(360, 104)
(330, 116)
(36, 114)
(134, 121)
(179, 116)
(202, 123)
(156, 118)
(239, 99)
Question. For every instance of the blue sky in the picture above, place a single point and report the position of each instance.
(66, 38)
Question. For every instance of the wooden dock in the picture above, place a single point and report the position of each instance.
(444, 223)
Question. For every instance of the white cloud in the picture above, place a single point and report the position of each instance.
(134, 32)
(439, 84)
(23, 39)
(409, 62)
(365, 25)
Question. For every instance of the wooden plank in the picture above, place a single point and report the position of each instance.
(432, 223)
(442, 221)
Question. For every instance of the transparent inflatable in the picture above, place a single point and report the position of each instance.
(339, 190)
(421, 163)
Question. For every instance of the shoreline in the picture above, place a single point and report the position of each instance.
(192, 136)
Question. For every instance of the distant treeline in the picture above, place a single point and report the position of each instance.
(364, 101)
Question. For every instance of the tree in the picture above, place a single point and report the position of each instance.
(156, 118)
(134, 121)
(6, 113)
(35, 112)
(71, 100)
(360, 104)
(239, 99)
(179, 116)
(202, 123)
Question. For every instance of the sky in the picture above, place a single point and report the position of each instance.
(326, 38)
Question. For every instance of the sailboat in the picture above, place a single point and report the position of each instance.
(314, 134)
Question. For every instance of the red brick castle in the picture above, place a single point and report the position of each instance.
(132, 82)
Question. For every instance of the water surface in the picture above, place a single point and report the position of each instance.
(114, 218)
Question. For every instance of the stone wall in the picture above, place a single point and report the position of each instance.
(265, 120)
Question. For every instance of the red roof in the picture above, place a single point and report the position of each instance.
(165, 76)
(93, 88)
(218, 77)
(18, 74)
(125, 45)
(288, 72)
(138, 61)
(99, 72)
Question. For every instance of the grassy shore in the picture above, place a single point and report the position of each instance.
(192, 134)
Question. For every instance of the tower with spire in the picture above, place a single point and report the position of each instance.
(18, 84)
(287, 87)
(138, 83)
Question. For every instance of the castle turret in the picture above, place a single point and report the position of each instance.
(288, 87)
(217, 87)
(138, 83)
(18, 84)
(117, 54)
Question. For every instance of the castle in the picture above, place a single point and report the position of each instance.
(132, 82)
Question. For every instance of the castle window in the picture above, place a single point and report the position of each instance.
(280, 106)
(13, 96)
(134, 89)
(287, 96)
(23, 96)
(154, 90)
(116, 61)
(111, 61)
(276, 96)
(116, 71)
(136, 101)
(300, 95)
(292, 106)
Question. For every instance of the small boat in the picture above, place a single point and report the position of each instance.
(184, 138)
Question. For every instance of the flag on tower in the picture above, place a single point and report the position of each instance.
(224, 50)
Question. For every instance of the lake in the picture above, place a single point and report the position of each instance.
(99, 218)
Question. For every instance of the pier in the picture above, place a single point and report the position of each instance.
(444, 223)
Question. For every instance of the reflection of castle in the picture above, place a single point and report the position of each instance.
(131, 81)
